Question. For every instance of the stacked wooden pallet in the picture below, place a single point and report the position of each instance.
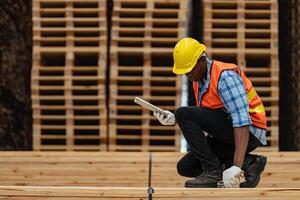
(123, 169)
(246, 33)
(140, 193)
(144, 34)
(68, 68)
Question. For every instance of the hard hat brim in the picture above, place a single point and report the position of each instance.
(183, 71)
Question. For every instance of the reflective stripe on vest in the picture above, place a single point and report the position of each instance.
(259, 108)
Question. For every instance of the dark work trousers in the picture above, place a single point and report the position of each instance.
(207, 153)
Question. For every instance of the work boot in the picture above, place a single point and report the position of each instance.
(253, 166)
(207, 179)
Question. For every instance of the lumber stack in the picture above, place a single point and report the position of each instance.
(246, 33)
(140, 193)
(68, 73)
(144, 34)
(69, 77)
(123, 169)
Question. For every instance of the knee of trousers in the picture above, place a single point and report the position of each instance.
(184, 171)
(181, 113)
(187, 172)
(180, 169)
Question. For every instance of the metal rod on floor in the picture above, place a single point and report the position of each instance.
(150, 189)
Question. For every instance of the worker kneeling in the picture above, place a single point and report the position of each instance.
(228, 122)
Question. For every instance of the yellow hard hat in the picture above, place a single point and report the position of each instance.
(186, 53)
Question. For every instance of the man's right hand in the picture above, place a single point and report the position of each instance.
(168, 120)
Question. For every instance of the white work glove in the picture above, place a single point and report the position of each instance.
(168, 121)
(232, 177)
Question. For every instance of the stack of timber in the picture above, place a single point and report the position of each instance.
(140, 193)
(123, 169)
(68, 73)
(144, 33)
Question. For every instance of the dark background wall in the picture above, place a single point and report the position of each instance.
(289, 57)
(195, 30)
(15, 66)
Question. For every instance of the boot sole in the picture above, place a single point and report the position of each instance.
(261, 168)
(213, 185)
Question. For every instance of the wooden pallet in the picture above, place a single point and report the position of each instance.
(246, 33)
(68, 75)
(144, 34)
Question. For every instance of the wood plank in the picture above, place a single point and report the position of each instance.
(141, 193)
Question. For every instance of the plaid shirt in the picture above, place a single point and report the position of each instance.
(233, 95)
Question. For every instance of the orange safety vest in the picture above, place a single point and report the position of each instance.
(211, 99)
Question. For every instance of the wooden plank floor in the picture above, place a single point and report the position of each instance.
(58, 193)
(123, 169)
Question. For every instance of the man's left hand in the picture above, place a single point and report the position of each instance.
(231, 177)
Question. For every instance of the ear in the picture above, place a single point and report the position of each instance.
(203, 58)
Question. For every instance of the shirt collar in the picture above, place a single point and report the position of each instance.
(208, 65)
(203, 85)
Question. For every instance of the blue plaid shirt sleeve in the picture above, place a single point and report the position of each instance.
(233, 95)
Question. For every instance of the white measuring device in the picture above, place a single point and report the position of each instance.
(149, 106)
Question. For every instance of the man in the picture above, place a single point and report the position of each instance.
(228, 122)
